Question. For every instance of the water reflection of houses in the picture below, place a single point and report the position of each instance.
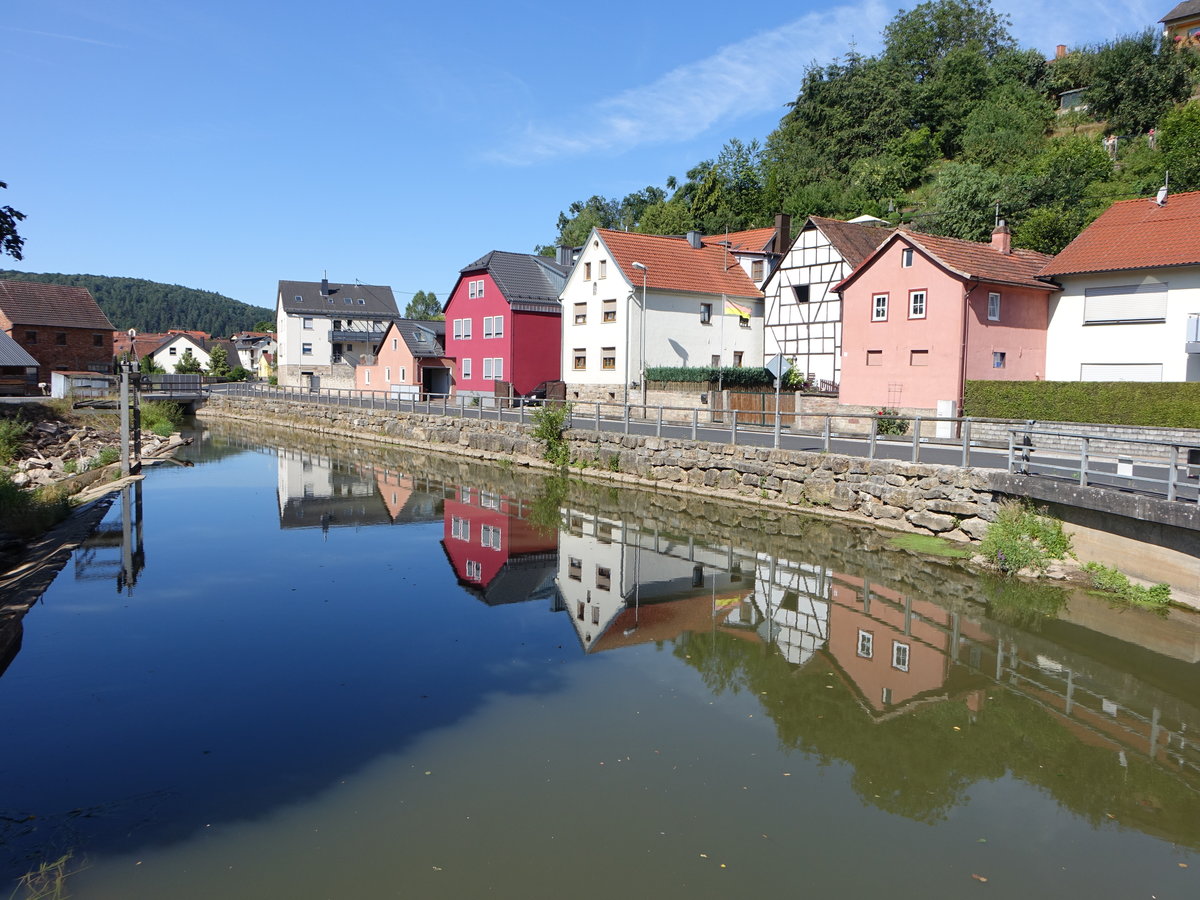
(498, 554)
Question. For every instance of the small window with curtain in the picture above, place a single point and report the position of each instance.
(993, 307)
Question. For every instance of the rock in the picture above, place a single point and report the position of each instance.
(20, 479)
(935, 522)
(976, 527)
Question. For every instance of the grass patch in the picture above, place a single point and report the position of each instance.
(1024, 539)
(930, 545)
(12, 434)
(161, 416)
(1108, 581)
(29, 513)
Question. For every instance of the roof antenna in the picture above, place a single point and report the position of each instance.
(1161, 199)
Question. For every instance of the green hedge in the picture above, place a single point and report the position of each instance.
(729, 377)
(1154, 404)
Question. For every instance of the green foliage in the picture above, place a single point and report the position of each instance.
(159, 413)
(147, 366)
(1108, 580)
(1179, 140)
(153, 307)
(12, 434)
(238, 373)
(1024, 539)
(218, 362)
(920, 40)
(726, 376)
(28, 513)
(188, 364)
(889, 422)
(10, 241)
(930, 545)
(264, 326)
(1136, 80)
(1162, 404)
(549, 423)
(424, 306)
(105, 457)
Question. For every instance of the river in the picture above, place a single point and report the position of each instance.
(332, 671)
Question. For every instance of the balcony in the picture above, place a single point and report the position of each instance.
(355, 337)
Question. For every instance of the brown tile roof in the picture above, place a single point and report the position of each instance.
(138, 346)
(674, 265)
(55, 305)
(753, 240)
(855, 242)
(1135, 234)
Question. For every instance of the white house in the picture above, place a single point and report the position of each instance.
(176, 345)
(1129, 309)
(323, 328)
(636, 301)
(803, 312)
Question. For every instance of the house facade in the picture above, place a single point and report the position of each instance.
(924, 314)
(701, 309)
(803, 311)
(757, 250)
(1181, 25)
(410, 361)
(323, 328)
(176, 344)
(503, 323)
(1129, 309)
(60, 326)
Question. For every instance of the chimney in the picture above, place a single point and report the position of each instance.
(1002, 238)
(693, 238)
(1060, 51)
(324, 287)
(783, 232)
(565, 255)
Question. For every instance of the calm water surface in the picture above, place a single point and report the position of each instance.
(347, 672)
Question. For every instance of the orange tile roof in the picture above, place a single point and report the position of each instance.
(674, 265)
(753, 240)
(1136, 234)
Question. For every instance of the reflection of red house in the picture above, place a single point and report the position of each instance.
(496, 553)
(893, 648)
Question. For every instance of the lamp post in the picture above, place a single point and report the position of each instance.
(642, 331)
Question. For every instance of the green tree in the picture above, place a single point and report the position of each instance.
(920, 39)
(1136, 80)
(10, 242)
(188, 364)
(265, 325)
(218, 362)
(1006, 127)
(666, 218)
(964, 197)
(424, 306)
(147, 366)
(1179, 140)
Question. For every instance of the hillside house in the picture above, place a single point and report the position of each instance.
(1181, 25)
(410, 361)
(60, 326)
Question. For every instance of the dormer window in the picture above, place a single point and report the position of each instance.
(362, 301)
(299, 299)
(349, 300)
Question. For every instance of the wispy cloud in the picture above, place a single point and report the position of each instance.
(63, 37)
(752, 76)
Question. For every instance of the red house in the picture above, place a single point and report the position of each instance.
(503, 323)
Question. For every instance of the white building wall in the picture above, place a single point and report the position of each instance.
(166, 360)
(1136, 351)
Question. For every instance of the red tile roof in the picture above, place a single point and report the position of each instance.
(674, 265)
(54, 305)
(1136, 234)
(754, 240)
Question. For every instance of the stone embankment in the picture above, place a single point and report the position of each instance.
(56, 451)
(953, 502)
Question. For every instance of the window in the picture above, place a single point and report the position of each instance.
(998, 359)
(387, 374)
(609, 311)
(900, 656)
(474, 570)
(886, 696)
(604, 268)
(574, 568)
(866, 644)
(349, 301)
(906, 257)
(580, 313)
(97, 340)
(993, 307)
(31, 337)
(489, 499)
(462, 329)
(737, 359)
(475, 289)
(918, 357)
(587, 271)
(489, 536)
(305, 350)
(916, 305)
(1125, 303)
(756, 270)
(403, 374)
(716, 361)
(801, 293)
(879, 304)
(487, 368)
(874, 357)
(608, 358)
(603, 578)
(499, 369)
(395, 344)
(366, 376)
(595, 615)
(308, 323)
(498, 326)
(61, 339)
(705, 313)
(580, 358)
(579, 610)
(299, 299)
(466, 367)
(175, 350)
(487, 327)
(493, 368)
(337, 324)
(362, 301)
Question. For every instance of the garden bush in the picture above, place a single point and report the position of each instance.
(1150, 404)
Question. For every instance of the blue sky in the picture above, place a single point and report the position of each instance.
(226, 145)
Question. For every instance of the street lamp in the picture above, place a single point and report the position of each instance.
(642, 331)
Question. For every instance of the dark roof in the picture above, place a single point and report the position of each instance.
(13, 354)
(55, 305)
(410, 328)
(853, 241)
(377, 300)
(1135, 234)
(524, 278)
(1184, 10)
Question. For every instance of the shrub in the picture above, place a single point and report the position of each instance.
(889, 422)
(1108, 580)
(1023, 538)
(726, 376)
(161, 416)
(106, 457)
(1164, 404)
(12, 433)
(549, 423)
(27, 513)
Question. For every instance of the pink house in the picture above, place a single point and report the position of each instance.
(503, 323)
(924, 314)
(410, 360)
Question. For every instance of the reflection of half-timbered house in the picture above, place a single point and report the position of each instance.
(803, 313)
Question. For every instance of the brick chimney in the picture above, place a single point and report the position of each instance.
(1002, 238)
(1060, 51)
(783, 232)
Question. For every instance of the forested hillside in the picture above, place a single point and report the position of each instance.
(151, 306)
(950, 121)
